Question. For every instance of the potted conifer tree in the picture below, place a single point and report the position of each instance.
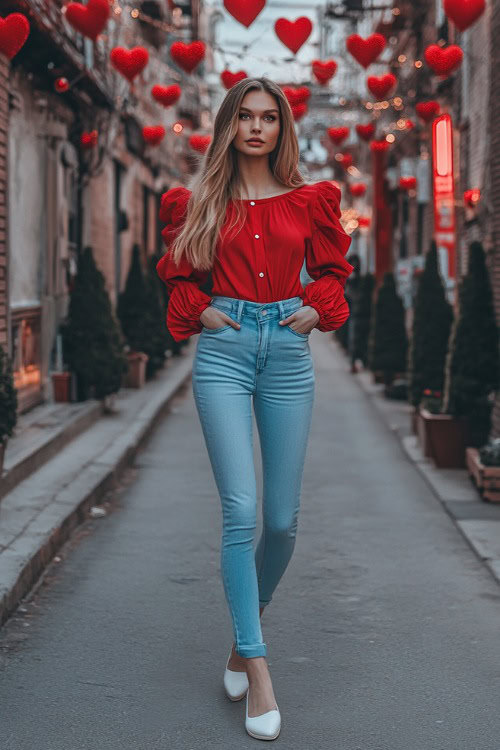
(472, 367)
(388, 342)
(132, 312)
(92, 341)
(8, 403)
(154, 320)
(363, 312)
(432, 319)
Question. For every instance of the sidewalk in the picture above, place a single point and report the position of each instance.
(478, 520)
(70, 456)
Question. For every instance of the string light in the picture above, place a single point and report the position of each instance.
(390, 138)
(418, 63)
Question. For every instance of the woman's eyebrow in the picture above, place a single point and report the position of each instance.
(266, 110)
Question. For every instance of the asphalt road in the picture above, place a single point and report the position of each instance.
(383, 633)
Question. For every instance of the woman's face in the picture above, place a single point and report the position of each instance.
(258, 118)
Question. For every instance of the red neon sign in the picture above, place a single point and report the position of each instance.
(443, 189)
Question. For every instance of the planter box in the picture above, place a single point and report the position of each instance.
(486, 478)
(61, 385)
(443, 438)
(136, 374)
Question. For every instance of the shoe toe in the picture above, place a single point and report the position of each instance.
(264, 727)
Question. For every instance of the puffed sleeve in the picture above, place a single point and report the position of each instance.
(325, 261)
(186, 299)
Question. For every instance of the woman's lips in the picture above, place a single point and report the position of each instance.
(255, 143)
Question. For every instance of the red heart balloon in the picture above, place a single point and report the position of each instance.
(379, 145)
(365, 131)
(298, 110)
(296, 96)
(427, 111)
(380, 86)
(293, 34)
(88, 19)
(153, 134)
(408, 183)
(89, 140)
(14, 30)
(443, 61)
(200, 142)
(365, 51)
(346, 160)
(324, 70)
(245, 11)
(229, 79)
(463, 13)
(129, 62)
(337, 135)
(187, 56)
(358, 189)
(166, 95)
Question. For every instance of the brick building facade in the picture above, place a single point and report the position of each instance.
(4, 276)
(493, 113)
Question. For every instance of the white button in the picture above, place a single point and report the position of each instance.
(252, 203)
(264, 312)
(261, 274)
(257, 236)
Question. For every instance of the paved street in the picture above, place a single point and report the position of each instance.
(383, 634)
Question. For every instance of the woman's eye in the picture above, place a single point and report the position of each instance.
(243, 114)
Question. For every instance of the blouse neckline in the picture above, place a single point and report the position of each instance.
(274, 197)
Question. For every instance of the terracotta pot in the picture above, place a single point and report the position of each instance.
(486, 478)
(136, 375)
(443, 438)
(61, 382)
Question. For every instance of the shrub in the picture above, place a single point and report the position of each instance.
(362, 315)
(8, 398)
(92, 340)
(432, 320)
(388, 343)
(490, 453)
(154, 320)
(472, 368)
(132, 305)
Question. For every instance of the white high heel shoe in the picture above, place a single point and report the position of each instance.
(264, 727)
(235, 683)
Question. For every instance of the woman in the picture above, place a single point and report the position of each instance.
(250, 219)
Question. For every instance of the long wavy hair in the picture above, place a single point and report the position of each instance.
(217, 179)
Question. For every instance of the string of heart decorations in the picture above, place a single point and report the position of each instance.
(91, 20)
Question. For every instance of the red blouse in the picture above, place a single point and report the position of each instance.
(262, 263)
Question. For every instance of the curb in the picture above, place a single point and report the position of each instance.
(452, 488)
(26, 558)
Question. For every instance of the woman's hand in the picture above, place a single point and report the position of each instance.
(306, 318)
(213, 318)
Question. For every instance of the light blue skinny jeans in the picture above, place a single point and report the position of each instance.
(273, 365)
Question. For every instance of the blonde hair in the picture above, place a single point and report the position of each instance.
(217, 179)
